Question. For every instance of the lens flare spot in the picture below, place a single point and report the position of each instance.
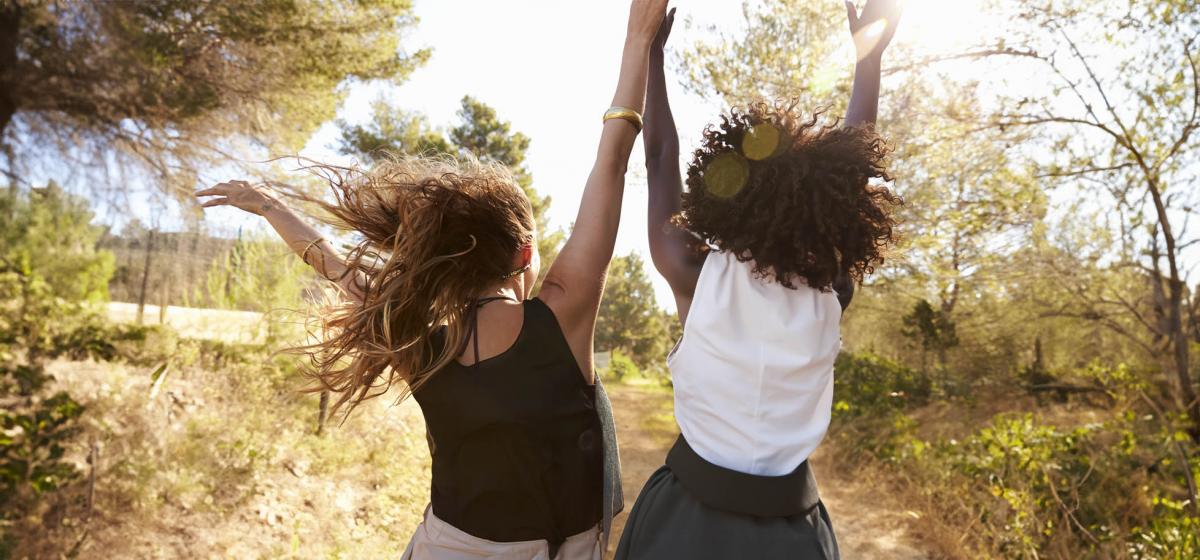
(761, 142)
(868, 37)
(726, 174)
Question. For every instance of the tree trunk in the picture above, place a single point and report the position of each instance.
(323, 412)
(1179, 340)
(10, 24)
(163, 300)
(1194, 315)
(141, 311)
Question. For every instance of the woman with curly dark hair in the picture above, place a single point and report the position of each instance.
(783, 214)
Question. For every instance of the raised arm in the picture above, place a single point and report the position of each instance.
(575, 282)
(872, 31)
(301, 237)
(671, 250)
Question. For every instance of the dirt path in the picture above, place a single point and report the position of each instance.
(646, 427)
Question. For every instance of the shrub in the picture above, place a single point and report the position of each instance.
(621, 368)
(869, 384)
(34, 433)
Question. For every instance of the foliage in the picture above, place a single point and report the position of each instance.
(621, 368)
(261, 486)
(1018, 484)
(763, 62)
(178, 263)
(1116, 116)
(630, 319)
(51, 273)
(35, 431)
(868, 384)
(933, 330)
(166, 85)
(258, 274)
(49, 233)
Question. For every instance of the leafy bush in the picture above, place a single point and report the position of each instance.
(869, 384)
(259, 274)
(1022, 488)
(1020, 485)
(1042, 488)
(34, 433)
(51, 274)
(621, 368)
(1170, 535)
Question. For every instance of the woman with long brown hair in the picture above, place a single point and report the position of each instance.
(439, 301)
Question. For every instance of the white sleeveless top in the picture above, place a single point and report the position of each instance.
(753, 373)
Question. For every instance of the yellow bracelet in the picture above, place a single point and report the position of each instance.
(628, 115)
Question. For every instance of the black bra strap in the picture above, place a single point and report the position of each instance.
(473, 334)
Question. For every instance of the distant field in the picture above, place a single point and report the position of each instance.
(212, 324)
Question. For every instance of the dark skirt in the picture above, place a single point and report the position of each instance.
(669, 522)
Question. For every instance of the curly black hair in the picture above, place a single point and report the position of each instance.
(800, 199)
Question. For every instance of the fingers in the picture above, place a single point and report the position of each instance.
(223, 189)
(852, 15)
(664, 29)
(215, 202)
(215, 190)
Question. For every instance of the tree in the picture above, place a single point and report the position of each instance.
(1121, 129)
(52, 232)
(630, 320)
(972, 206)
(480, 132)
(258, 275)
(784, 53)
(933, 329)
(391, 130)
(167, 85)
(50, 269)
(972, 203)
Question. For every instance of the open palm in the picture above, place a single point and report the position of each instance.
(874, 27)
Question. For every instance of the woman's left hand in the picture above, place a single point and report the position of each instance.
(874, 28)
(664, 33)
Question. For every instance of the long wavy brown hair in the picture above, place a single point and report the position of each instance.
(805, 200)
(433, 234)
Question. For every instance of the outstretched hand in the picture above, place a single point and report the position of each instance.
(645, 17)
(664, 33)
(239, 194)
(874, 27)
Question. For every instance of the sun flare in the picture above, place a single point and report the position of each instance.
(940, 26)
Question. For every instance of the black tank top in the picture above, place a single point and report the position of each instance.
(516, 441)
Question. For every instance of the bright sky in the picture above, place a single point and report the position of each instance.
(551, 82)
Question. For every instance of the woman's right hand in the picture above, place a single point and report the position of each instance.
(240, 194)
(645, 17)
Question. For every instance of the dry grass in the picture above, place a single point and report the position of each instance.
(209, 324)
(225, 465)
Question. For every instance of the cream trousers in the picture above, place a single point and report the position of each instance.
(435, 539)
